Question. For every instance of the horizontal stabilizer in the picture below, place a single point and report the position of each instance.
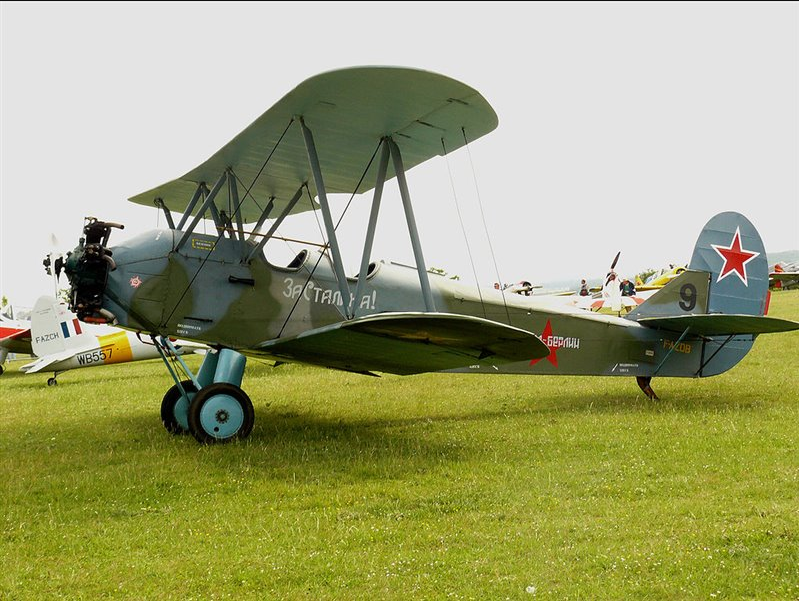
(409, 343)
(719, 324)
(46, 361)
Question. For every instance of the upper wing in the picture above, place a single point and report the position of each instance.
(348, 111)
(719, 324)
(409, 343)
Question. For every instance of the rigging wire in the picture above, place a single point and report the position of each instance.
(463, 228)
(222, 232)
(485, 226)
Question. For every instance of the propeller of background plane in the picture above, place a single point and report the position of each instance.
(54, 262)
(612, 267)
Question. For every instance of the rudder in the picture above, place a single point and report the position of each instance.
(731, 250)
(54, 328)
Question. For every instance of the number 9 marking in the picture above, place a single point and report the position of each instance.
(688, 296)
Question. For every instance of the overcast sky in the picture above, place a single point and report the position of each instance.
(621, 126)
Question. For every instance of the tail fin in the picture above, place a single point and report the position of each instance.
(728, 273)
(721, 299)
(730, 249)
(54, 328)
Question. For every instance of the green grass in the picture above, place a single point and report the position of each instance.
(433, 486)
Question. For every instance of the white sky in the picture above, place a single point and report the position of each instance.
(622, 126)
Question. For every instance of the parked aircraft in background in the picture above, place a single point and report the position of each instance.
(784, 276)
(15, 337)
(659, 278)
(61, 342)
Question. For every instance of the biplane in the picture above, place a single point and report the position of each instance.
(352, 131)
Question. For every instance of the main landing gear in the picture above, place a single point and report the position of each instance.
(211, 405)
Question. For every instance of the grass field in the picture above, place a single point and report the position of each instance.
(434, 486)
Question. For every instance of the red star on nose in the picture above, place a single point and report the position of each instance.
(546, 337)
(735, 258)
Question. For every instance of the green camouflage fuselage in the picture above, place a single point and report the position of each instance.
(205, 292)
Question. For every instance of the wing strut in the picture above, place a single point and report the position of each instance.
(234, 200)
(218, 219)
(268, 235)
(414, 233)
(192, 203)
(316, 170)
(264, 215)
(370, 230)
(167, 213)
(208, 202)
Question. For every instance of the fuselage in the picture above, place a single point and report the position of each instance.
(208, 293)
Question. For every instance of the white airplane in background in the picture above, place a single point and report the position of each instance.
(15, 337)
(62, 342)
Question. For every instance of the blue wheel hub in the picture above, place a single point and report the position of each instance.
(221, 416)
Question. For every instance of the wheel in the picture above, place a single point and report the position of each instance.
(52, 381)
(2, 369)
(175, 408)
(220, 413)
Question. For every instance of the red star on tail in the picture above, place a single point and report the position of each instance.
(735, 258)
(546, 336)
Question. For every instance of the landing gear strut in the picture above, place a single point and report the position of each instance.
(211, 405)
(644, 383)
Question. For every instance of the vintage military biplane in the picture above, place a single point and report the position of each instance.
(352, 131)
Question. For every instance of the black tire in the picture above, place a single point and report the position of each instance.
(2, 369)
(52, 382)
(220, 413)
(171, 398)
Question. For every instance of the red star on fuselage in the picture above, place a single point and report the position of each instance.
(546, 336)
(735, 258)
